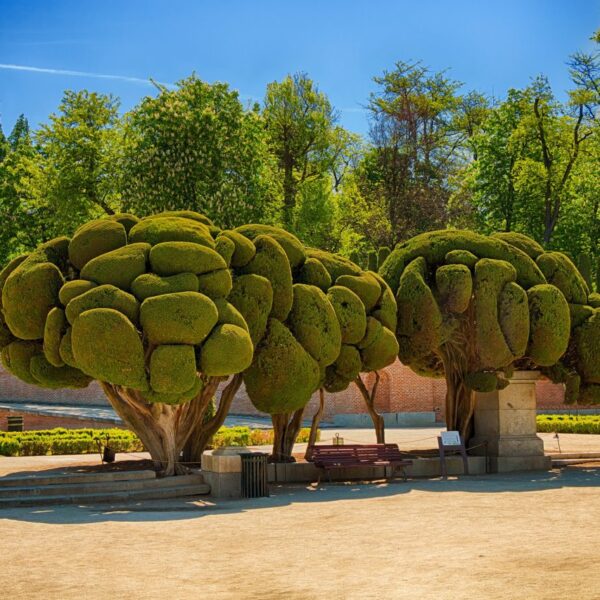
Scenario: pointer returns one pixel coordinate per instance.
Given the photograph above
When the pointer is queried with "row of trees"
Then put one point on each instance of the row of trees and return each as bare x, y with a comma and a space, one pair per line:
435, 157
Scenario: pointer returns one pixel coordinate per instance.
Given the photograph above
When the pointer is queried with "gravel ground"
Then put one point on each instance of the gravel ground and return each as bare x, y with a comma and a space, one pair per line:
499, 536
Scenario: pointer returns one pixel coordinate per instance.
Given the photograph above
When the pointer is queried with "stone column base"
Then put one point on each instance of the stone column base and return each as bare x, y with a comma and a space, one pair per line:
506, 464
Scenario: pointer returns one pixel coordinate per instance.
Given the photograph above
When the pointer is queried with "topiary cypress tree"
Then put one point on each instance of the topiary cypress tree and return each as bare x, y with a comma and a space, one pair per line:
472, 306
372, 261
141, 306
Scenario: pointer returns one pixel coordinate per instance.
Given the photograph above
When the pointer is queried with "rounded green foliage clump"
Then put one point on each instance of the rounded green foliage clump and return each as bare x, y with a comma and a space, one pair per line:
243, 248
374, 328
181, 318
382, 255
172, 369
455, 287
314, 323
107, 347
386, 308
461, 257
381, 352
252, 296
56, 325
66, 349
16, 358
184, 214
419, 317
490, 278
335, 264
74, 288
291, 245
126, 219
520, 241
226, 248
217, 284
95, 238
513, 316
350, 312
313, 272
31, 290
365, 286
227, 350
482, 381
271, 262
50, 376
587, 338
158, 229
104, 296
560, 271
344, 370
8, 269
228, 313
150, 284
6, 336
550, 324
283, 374
171, 258
594, 299
118, 267
435, 245
173, 398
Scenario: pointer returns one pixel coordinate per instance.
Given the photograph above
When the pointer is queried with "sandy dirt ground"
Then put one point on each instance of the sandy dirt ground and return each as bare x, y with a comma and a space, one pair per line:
531, 536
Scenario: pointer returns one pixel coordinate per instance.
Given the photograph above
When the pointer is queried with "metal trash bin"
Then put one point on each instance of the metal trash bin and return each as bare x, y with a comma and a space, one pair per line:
254, 475
14, 423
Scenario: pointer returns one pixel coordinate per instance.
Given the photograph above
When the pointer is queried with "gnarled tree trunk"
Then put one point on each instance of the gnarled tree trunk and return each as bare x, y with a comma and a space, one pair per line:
203, 432
314, 426
164, 429
285, 431
460, 399
369, 398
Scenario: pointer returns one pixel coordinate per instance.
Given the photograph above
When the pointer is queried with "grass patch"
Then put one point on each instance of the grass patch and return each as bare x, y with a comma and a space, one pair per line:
568, 423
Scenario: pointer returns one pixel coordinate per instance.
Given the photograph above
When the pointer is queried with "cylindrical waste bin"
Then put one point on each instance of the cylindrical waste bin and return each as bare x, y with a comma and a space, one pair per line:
254, 475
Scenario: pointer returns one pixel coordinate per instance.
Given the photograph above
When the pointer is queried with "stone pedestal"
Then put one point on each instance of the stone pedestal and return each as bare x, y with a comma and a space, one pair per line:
505, 419
222, 470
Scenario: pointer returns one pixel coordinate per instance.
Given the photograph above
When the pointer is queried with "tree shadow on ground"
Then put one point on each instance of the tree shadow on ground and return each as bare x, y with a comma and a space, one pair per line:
287, 494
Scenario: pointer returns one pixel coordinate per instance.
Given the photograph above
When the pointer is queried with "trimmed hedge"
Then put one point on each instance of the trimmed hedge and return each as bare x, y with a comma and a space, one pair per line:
568, 423
66, 441
85, 441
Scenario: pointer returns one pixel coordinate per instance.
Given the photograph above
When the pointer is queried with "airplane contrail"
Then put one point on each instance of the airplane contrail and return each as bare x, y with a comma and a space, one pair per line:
29, 69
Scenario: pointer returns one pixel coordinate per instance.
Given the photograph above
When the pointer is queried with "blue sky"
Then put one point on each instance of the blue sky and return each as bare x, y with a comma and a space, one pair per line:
490, 46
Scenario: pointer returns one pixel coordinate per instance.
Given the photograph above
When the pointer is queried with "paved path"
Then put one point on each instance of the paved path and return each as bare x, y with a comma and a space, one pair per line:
496, 537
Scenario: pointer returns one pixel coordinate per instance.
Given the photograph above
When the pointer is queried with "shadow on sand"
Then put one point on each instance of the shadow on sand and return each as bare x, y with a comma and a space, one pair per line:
288, 494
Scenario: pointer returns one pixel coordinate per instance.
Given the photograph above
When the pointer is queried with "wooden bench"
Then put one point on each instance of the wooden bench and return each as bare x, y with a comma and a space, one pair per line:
327, 458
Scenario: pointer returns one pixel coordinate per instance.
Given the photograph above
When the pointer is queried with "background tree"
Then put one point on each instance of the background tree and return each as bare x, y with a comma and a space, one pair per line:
195, 147
78, 153
300, 125
24, 221
471, 306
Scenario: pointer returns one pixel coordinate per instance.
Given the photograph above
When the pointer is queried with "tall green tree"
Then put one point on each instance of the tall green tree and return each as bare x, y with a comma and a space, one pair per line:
196, 147
79, 151
300, 123
24, 222
415, 149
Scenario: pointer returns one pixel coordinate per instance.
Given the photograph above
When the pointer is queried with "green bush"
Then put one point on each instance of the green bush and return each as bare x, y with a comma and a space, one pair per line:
85, 441
568, 423
66, 441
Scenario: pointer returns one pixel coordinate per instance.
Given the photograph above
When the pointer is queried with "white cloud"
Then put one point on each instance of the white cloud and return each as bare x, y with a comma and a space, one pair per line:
139, 80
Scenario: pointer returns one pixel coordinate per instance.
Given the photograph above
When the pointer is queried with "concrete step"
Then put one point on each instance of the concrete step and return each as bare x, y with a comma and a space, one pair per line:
109, 496
76, 478
96, 487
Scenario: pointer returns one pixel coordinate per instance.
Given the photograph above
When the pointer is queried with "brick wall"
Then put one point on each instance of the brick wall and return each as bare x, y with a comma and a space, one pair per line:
400, 390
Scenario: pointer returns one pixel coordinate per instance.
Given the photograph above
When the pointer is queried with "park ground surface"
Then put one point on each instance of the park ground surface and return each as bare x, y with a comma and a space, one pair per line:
527, 535
499, 536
